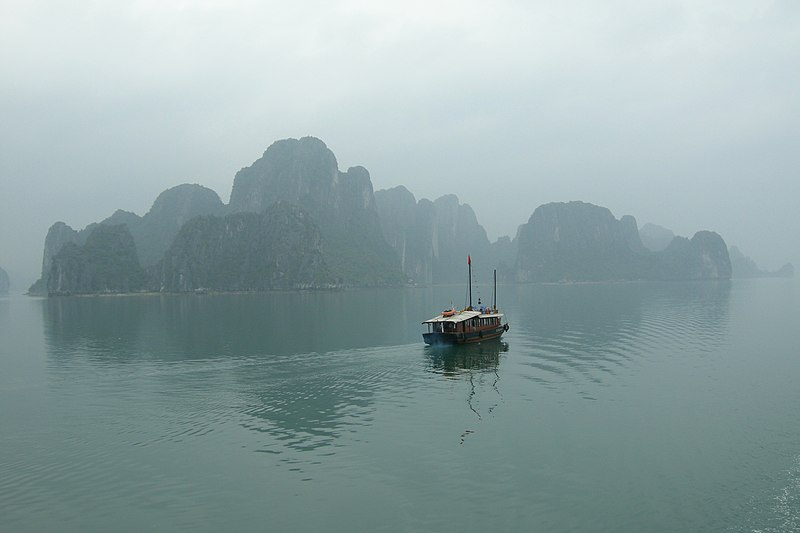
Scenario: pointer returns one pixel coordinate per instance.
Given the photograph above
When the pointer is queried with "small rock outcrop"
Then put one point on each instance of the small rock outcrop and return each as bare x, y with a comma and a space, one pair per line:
786, 271
5, 282
106, 263
279, 248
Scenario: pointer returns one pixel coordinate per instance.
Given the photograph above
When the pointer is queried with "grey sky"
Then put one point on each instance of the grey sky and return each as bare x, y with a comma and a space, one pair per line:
681, 113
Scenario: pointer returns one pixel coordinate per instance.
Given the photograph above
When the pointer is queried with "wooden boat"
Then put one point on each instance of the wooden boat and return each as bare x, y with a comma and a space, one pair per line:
468, 325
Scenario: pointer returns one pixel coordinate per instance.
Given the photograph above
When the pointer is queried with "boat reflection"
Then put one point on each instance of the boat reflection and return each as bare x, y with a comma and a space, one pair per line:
477, 364
453, 360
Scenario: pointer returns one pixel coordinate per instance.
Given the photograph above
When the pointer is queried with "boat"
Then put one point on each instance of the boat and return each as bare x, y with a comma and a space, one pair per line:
470, 325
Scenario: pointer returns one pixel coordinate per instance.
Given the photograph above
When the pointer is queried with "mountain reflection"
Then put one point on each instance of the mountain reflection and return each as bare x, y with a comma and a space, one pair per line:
179, 327
295, 369
93, 327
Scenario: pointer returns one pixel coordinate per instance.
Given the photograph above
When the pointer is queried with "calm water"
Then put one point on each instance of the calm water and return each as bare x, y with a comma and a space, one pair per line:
607, 407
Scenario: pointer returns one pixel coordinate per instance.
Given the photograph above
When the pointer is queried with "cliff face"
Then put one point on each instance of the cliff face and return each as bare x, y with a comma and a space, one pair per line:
304, 172
107, 262
433, 239
457, 234
5, 283
742, 266
630, 234
711, 259
705, 256
578, 241
279, 248
504, 252
582, 242
57, 237
408, 228
299, 171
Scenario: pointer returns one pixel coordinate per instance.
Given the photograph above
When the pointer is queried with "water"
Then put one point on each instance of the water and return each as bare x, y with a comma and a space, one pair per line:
607, 407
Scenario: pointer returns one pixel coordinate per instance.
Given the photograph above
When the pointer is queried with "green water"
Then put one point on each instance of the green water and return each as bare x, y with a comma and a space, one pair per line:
617, 407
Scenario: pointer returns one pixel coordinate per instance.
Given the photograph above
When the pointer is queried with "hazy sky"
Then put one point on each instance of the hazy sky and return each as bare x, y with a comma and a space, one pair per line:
681, 113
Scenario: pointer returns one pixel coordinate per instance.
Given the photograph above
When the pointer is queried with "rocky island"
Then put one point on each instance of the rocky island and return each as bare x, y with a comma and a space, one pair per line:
577, 241
744, 267
296, 221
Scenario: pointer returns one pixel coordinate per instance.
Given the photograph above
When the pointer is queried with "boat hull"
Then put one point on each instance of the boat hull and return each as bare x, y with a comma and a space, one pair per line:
464, 337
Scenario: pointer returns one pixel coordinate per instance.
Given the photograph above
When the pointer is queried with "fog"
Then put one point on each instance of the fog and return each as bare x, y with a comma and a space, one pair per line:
680, 113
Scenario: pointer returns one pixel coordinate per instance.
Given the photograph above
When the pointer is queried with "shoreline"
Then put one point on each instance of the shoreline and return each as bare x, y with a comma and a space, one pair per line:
209, 292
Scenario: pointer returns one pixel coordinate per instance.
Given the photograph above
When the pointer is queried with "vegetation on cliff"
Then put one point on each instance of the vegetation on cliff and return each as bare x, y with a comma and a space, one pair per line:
279, 248
107, 262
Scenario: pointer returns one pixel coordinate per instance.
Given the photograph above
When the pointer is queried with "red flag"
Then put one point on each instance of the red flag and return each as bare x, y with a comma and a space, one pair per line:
469, 260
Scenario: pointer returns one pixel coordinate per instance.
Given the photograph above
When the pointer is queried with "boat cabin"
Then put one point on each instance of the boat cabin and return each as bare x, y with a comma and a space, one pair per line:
465, 326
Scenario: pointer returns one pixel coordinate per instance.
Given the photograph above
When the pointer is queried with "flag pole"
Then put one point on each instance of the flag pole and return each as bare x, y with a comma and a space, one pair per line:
469, 263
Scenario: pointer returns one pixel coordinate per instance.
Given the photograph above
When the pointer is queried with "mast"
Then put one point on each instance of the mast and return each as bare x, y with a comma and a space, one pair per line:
469, 264
494, 291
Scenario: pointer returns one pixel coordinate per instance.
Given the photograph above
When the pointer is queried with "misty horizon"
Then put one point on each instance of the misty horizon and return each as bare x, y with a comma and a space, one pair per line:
680, 115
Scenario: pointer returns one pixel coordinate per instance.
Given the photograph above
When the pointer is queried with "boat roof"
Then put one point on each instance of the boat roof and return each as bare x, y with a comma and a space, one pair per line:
462, 316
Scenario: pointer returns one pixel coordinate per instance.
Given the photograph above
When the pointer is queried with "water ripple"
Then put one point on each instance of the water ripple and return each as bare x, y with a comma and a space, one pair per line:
561, 345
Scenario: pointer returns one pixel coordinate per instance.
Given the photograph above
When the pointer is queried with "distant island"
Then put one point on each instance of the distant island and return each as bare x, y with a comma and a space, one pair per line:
295, 221
5, 283
744, 267
577, 241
